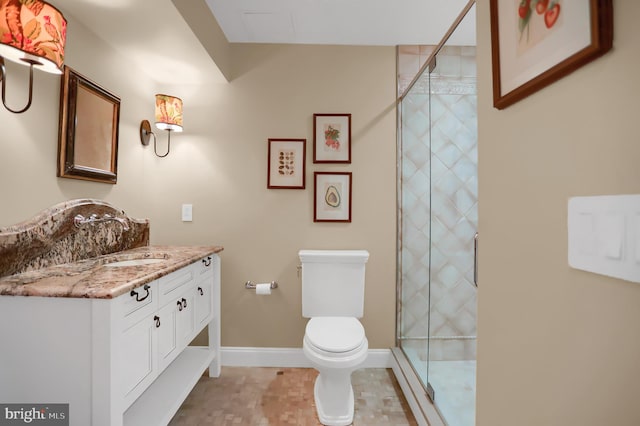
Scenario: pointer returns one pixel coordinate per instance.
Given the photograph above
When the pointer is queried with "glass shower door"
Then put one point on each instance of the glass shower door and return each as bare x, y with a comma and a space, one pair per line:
437, 227
453, 224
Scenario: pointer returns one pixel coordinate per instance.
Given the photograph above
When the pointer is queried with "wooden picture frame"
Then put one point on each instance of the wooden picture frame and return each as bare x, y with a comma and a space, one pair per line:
286, 160
88, 132
332, 138
332, 197
537, 42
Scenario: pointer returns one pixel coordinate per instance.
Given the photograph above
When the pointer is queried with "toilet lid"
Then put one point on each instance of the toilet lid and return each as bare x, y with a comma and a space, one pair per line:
335, 334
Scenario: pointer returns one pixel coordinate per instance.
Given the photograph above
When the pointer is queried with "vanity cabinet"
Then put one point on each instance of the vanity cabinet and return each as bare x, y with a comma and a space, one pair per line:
121, 361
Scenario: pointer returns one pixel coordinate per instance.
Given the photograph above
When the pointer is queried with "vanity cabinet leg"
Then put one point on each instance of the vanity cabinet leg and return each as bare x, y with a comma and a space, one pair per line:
214, 345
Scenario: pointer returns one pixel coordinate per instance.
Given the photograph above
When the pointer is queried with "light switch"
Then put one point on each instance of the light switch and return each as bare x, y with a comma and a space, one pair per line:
612, 235
187, 212
604, 235
586, 233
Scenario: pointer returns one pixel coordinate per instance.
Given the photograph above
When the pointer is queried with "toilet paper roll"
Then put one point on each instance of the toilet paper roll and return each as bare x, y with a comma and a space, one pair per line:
263, 289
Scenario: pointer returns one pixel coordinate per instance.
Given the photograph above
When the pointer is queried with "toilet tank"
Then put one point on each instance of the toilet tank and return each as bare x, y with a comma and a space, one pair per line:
333, 282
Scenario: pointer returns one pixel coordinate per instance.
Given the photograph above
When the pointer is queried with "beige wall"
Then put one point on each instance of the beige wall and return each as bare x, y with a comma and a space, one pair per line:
556, 346
219, 165
275, 93
29, 141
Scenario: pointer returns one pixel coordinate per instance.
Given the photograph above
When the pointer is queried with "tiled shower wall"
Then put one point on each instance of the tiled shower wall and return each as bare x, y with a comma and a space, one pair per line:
439, 202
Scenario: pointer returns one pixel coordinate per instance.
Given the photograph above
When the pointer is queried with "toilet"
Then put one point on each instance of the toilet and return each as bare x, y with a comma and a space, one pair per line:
334, 340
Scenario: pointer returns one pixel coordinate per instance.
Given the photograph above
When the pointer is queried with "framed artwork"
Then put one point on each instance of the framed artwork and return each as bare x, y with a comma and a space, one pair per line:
88, 133
332, 197
536, 42
286, 163
332, 138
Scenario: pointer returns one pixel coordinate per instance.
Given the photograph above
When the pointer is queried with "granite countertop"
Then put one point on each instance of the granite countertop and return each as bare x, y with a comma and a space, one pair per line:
91, 278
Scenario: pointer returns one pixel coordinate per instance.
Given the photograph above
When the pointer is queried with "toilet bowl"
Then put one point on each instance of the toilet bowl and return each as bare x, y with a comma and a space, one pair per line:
334, 340
335, 346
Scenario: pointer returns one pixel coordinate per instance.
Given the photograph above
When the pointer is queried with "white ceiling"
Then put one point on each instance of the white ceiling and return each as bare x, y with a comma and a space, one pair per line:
155, 36
354, 22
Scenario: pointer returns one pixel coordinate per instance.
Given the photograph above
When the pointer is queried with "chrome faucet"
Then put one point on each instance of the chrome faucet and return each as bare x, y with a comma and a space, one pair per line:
80, 220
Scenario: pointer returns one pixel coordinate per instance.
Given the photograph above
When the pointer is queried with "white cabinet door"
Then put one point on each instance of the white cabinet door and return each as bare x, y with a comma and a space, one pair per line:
204, 301
186, 319
167, 340
138, 359
177, 327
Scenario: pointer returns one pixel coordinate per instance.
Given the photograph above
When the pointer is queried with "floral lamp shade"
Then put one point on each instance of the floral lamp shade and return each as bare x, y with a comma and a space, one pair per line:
33, 32
168, 113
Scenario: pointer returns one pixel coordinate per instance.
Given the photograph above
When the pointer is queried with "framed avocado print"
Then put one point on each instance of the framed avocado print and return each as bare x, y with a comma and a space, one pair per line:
332, 197
536, 42
332, 138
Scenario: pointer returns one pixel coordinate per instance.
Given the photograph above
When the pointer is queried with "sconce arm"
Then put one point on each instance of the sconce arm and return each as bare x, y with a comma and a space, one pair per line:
168, 145
3, 77
145, 135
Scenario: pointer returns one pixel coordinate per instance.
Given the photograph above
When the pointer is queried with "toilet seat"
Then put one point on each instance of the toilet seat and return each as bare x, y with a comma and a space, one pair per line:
344, 337
335, 335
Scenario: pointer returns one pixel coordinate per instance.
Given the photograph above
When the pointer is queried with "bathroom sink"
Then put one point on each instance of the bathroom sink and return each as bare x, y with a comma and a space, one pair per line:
133, 262
121, 260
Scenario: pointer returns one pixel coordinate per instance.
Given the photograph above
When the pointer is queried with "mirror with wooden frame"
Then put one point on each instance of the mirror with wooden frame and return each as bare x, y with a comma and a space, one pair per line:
88, 134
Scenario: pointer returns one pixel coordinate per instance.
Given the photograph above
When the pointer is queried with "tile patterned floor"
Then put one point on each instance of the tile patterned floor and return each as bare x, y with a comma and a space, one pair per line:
454, 383
284, 396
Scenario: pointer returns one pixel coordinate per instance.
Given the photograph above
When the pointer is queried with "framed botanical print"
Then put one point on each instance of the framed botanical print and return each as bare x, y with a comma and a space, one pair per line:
332, 138
536, 42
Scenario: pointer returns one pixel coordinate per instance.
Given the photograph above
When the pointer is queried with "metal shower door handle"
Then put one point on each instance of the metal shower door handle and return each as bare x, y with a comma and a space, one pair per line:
475, 260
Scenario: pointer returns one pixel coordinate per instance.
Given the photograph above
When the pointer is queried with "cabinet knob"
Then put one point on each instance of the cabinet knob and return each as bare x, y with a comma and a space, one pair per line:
157, 320
200, 291
207, 261
135, 293
179, 305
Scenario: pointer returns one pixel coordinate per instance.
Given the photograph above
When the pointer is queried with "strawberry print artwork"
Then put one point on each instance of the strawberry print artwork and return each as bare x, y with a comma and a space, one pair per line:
536, 19
332, 136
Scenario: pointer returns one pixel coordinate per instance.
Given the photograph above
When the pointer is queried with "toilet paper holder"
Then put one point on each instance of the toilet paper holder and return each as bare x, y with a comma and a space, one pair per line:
252, 286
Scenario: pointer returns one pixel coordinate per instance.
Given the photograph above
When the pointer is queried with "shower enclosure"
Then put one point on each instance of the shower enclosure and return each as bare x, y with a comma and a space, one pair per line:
437, 236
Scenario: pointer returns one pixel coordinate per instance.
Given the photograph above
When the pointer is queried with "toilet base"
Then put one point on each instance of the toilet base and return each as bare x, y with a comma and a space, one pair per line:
334, 398
343, 418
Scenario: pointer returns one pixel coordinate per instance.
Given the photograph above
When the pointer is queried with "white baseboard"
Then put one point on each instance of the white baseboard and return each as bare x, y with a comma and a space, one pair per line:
289, 357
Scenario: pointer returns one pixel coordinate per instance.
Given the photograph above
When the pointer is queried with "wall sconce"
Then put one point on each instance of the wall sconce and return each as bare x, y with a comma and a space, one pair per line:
31, 33
168, 117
